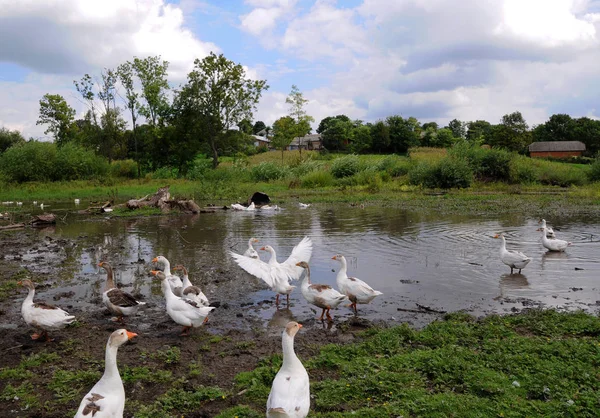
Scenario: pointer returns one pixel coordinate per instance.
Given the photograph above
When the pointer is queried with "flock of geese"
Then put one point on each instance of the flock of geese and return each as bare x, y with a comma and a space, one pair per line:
189, 307
518, 260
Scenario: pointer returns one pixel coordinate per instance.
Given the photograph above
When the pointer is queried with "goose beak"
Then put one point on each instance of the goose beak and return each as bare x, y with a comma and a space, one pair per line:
100, 264
130, 335
497, 236
299, 325
154, 272
334, 257
299, 264
155, 260
20, 283
263, 249
254, 240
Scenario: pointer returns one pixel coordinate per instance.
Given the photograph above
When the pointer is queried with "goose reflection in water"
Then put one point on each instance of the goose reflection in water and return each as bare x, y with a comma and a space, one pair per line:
512, 282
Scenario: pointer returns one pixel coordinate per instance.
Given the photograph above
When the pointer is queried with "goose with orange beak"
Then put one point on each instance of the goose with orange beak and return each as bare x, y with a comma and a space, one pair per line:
107, 397
356, 290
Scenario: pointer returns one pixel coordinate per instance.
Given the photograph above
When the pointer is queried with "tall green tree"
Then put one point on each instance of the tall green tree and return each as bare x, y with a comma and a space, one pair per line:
9, 138
559, 127
338, 134
404, 133
245, 126
512, 133
588, 131
218, 90
284, 131
478, 131
297, 104
85, 87
361, 138
125, 74
152, 74
258, 126
59, 116
458, 128
380, 136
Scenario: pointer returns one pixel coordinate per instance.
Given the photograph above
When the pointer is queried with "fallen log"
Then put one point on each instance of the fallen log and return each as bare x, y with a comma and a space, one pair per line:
42, 220
162, 200
13, 226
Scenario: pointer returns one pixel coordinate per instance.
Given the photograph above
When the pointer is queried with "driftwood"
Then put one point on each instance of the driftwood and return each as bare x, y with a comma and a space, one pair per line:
162, 200
43, 220
13, 226
106, 207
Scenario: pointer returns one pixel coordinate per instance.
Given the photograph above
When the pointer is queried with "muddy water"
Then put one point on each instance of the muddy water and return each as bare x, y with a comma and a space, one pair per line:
424, 263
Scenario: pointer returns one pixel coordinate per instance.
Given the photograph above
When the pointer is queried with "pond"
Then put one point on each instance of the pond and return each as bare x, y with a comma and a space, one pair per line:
424, 263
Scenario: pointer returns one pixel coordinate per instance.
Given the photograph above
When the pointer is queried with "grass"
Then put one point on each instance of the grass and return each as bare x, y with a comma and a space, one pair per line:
540, 363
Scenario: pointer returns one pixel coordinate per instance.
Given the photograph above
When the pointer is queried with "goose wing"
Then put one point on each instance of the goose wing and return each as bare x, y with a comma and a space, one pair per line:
255, 267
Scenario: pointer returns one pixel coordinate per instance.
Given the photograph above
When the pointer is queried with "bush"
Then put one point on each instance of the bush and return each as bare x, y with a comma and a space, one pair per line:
29, 161
124, 168
400, 169
77, 163
560, 174
306, 167
199, 167
522, 171
345, 166
594, 173
317, 179
494, 165
267, 171
387, 163
446, 174
165, 173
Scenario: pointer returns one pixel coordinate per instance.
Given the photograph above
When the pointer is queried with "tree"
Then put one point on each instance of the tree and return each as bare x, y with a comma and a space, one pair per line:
85, 87
218, 91
325, 122
458, 128
478, 131
559, 127
59, 116
152, 73
284, 130
338, 134
361, 138
258, 126
404, 133
9, 138
245, 126
380, 136
125, 74
588, 131
297, 103
512, 133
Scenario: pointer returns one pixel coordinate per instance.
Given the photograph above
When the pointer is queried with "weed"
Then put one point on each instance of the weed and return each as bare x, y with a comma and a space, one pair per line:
170, 355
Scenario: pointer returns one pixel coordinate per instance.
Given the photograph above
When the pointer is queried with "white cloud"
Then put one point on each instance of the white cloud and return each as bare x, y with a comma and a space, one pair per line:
263, 19
75, 36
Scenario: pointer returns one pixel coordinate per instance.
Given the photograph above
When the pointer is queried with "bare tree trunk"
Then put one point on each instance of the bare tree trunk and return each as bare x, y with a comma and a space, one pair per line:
282, 155
213, 145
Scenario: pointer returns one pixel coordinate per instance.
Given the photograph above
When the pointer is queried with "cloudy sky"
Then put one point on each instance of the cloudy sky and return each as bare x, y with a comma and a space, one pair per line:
432, 59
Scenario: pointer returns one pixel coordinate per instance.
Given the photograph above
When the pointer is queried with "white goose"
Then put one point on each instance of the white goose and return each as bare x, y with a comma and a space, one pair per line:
303, 205
251, 252
553, 244
107, 398
290, 391
549, 230
42, 316
356, 290
320, 295
190, 291
513, 259
174, 281
277, 275
237, 206
185, 312
117, 301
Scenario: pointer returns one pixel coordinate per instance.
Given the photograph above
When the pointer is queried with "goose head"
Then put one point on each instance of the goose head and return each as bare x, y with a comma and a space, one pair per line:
120, 337
292, 328
302, 264
160, 275
105, 265
26, 283
181, 268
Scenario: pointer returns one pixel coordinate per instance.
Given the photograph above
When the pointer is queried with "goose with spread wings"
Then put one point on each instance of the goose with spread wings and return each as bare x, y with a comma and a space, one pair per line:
277, 275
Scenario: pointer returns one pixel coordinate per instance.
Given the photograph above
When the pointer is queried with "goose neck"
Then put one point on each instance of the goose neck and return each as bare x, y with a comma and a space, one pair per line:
110, 366
110, 280
290, 360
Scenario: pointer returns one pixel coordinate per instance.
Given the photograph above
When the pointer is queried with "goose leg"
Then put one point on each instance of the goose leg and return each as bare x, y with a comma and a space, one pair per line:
355, 310
277, 300
48, 339
287, 299
511, 270
322, 313
519, 271
329, 316
205, 320
35, 336
185, 332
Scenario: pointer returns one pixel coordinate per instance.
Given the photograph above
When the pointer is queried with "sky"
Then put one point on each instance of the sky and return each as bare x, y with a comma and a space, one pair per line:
435, 60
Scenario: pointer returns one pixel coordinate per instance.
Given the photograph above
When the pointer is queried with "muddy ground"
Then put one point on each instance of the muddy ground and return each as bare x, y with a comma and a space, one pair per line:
239, 334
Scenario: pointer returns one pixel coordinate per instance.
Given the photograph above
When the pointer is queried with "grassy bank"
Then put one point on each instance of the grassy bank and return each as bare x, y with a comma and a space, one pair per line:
541, 363
537, 363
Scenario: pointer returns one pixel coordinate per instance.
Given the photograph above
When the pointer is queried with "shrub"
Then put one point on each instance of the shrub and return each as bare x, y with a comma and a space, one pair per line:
400, 169
387, 163
29, 161
199, 167
594, 173
345, 166
74, 162
494, 165
446, 174
306, 167
522, 171
560, 174
165, 173
267, 171
123, 168
317, 179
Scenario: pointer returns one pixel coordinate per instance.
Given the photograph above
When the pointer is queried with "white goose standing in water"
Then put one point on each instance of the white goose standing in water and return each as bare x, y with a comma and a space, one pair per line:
553, 244
107, 398
549, 230
116, 300
290, 391
251, 252
174, 281
321, 295
513, 259
356, 290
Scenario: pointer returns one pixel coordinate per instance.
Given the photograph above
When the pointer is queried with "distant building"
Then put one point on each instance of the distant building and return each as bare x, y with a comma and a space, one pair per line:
261, 141
556, 149
307, 142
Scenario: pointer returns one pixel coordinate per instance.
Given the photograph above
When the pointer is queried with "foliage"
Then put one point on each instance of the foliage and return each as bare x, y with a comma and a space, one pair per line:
219, 93
594, 173
59, 116
284, 130
512, 133
337, 134
317, 179
152, 74
458, 128
267, 171
478, 131
77, 163
258, 126
30, 161
123, 168
345, 166
448, 173
298, 113
9, 138
404, 133
200, 166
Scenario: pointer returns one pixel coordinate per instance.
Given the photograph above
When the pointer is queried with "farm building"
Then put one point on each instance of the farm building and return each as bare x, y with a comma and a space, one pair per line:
556, 149
261, 141
310, 142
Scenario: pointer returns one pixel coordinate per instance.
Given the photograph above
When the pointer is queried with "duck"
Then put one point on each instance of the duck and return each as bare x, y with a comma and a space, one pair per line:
107, 397
117, 301
237, 206
290, 391
251, 252
321, 295
269, 207
184, 312
356, 290
277, 275
42, 206
553, 244
34, 202
190, 291
77, 201
513, 259
549, 230
303, 205
174, 281
41, 315
19, 203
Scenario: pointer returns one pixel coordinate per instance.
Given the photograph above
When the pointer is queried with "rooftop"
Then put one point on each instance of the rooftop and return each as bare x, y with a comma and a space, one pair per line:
549, 146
